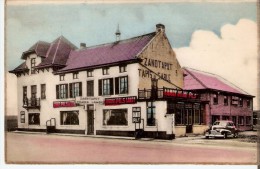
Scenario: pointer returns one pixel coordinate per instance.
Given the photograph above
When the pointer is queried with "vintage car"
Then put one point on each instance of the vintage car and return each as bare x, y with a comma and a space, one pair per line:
222, 128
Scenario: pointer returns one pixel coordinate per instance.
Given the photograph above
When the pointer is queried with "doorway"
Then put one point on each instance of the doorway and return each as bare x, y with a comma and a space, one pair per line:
189, 121
90, 119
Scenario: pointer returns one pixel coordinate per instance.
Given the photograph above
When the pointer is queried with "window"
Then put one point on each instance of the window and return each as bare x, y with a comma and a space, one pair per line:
136, 114
215, 98
150, 114
106, 87
105, 71
234, 100
33, 64
225, 117
69, 118
75, 75
121, 85
62, 91
196, 116
241, 120
225, 100
34, 118
75, 89
248, 103
122, 68
33, 95
43, 91
248, 120
90, 88
115, 117
90, 73
62, 77
240, 102
22, 117
214, 118
25, 99
179, 114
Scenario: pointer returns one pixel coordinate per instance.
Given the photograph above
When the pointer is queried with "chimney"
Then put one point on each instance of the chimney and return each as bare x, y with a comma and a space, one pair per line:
160, 28
82, 45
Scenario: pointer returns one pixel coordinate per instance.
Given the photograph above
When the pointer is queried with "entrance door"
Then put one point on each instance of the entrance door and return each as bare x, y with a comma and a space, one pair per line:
90, 119
189, 121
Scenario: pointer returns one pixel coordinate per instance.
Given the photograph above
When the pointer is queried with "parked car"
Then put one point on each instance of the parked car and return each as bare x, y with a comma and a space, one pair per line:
222, 128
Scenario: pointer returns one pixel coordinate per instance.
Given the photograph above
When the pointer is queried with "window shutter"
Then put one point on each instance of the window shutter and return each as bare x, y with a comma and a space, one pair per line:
117, 85
67, 92
111, 83
80, 88
57, 92
70, 90
99, 87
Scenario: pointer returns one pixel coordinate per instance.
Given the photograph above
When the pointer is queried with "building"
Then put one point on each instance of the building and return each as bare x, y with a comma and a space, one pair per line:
122, 88
224, 101
132, 87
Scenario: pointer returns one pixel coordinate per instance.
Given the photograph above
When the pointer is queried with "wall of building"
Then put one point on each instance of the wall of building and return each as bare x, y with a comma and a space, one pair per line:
227, 110
159, 61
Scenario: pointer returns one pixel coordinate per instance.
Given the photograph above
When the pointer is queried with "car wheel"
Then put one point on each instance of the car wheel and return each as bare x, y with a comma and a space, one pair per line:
235, 135
224, 135
206, 137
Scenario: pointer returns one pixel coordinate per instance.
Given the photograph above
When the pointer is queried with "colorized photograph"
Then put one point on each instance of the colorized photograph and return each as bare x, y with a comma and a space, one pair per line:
131, 82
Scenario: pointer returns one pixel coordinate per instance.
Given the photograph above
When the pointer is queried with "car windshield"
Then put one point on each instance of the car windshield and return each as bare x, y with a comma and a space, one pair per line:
220, 123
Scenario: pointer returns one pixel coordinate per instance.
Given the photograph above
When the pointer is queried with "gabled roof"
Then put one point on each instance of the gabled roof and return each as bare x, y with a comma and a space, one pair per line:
40, 48
116, 52
57, 53
21, 68
199, 80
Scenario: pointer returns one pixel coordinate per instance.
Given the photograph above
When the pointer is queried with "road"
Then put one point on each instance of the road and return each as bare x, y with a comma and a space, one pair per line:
56, 149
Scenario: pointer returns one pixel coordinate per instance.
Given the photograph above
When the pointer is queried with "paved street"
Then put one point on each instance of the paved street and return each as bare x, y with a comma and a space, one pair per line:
42, 148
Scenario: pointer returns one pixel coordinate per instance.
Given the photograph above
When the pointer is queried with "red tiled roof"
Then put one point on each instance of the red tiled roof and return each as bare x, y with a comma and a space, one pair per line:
197, 80
58, 53
124, 50
40, 48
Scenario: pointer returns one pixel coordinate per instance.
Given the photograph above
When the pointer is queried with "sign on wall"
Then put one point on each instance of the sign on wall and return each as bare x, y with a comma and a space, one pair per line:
120, 100
57, 104
89, 100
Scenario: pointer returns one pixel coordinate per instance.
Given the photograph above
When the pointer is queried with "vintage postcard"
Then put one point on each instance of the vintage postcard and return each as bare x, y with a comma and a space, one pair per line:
131, 82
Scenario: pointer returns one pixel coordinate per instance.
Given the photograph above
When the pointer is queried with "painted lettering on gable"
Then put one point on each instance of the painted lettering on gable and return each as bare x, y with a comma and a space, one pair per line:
145, 73
157, 64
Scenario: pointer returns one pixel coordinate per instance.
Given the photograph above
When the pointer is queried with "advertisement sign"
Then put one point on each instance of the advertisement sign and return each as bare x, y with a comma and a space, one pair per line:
89, 100
120, 100
57, 104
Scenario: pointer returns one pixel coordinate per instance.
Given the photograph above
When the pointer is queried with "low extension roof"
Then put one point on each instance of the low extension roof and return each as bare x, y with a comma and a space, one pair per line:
40, 48
21, 68
116, 52
199, 80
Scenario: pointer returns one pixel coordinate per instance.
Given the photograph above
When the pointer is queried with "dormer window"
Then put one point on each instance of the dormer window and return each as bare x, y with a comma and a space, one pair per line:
33, 64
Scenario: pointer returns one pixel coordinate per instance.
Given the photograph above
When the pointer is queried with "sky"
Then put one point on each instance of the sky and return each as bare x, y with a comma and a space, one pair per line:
219, 38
